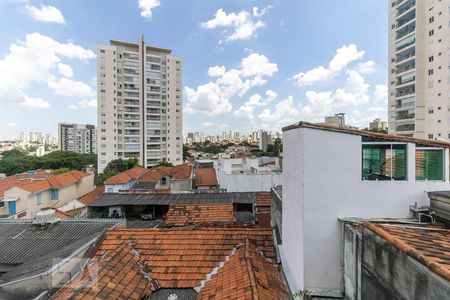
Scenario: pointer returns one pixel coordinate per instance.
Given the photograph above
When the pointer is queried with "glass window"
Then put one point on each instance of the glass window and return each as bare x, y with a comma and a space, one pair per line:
429, 164
384, 162
38, 198
54, 194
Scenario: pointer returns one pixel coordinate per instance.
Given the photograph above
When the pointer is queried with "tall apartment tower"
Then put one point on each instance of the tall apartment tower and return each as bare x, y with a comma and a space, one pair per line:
139, 104
79, 138
419, 68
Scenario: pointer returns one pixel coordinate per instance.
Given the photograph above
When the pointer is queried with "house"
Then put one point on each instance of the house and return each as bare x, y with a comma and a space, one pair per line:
34, 252
192, 214
206, 179
332, 173
23, 198
177, 178
201, 263
79, 207
248, 174
395, 260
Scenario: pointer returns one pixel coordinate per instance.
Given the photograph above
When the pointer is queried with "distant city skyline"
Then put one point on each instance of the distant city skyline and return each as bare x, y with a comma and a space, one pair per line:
246, 65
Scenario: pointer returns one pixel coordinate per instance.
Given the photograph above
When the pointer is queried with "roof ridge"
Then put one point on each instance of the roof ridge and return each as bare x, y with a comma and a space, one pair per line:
250, 270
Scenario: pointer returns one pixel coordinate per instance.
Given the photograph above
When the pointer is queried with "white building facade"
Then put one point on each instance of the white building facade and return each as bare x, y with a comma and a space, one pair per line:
139, 103
79, 138
330, 174
419, 68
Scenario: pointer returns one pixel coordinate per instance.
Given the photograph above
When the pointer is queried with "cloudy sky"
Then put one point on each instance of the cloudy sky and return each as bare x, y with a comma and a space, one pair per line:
247, 64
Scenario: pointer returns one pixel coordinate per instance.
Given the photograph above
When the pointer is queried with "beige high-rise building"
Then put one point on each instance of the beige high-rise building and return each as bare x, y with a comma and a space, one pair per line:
79, 138
419, 68
139, 103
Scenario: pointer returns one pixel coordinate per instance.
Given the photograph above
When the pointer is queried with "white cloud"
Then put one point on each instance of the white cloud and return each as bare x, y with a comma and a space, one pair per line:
381, 94
242, 24
284, 112
344, 56
11, 124
367, 67
213, 125
355, 92
71, 88
146, 7
246, 110
65, 70
32, 61
207, 98
214, 97
35, 102
48, 14
84, 104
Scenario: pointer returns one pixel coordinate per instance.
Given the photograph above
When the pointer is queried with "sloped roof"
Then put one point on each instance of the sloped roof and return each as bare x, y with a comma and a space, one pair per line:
263, 199
126, 176
189, 214
62, 215
430, 247
246, 275
56, 181
387, 137
88, 198
21, 179
121, 275
206, 177
182, 258
183, 171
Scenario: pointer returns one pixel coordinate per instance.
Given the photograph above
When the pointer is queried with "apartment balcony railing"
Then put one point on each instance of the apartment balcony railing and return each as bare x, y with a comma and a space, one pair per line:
404, 55
407, 5
405, 91
405, 30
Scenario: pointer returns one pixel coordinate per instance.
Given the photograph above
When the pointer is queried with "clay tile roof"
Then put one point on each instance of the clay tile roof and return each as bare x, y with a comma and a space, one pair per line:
182, 258
246, 275
189, 214
56, 181
62, 215
388, 137
88, 198
121, 275
430, 247
128, 175
263, 199
183, 171
206, 177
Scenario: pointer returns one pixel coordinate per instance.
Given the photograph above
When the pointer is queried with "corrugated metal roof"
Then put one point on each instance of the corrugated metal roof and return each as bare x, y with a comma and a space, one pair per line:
110, 199
21, 241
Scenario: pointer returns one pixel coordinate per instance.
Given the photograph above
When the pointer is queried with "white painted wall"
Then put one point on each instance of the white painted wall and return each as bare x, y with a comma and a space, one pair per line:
115, 188
248, 182
322, 182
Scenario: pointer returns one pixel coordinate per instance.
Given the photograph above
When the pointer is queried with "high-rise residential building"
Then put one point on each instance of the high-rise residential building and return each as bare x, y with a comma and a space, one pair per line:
79, 138
264, 140
377, 124
337, 120
419, 68
139, 103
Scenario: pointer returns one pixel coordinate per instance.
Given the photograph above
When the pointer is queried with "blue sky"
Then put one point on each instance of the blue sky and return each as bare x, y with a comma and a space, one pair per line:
246, 64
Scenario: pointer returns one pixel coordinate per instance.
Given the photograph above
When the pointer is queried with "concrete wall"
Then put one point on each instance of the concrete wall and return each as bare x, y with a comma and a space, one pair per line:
180, 185
248, 182
115, 188
276, 213
388, 273
322, 182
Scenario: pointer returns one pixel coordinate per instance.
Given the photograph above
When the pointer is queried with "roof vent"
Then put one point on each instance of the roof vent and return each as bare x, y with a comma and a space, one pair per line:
45, 216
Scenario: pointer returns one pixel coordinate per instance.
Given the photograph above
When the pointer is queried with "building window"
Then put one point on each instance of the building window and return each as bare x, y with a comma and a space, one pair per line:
429, 164
54, 194
384, 162
38, 198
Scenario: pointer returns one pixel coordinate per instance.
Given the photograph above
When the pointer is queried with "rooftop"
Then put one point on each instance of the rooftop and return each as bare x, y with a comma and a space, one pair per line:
263, 199
190, 214
127, 176
22, 178
113, 199
88, 198
382, 136
206, 177
430, 247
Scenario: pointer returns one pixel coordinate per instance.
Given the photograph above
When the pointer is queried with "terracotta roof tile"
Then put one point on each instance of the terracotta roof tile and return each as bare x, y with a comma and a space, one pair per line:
182, 258
56, 181
263, 199
188, 214
62, 215
90, 197
22, 179
128, 175
121, 275
183, 171
430, 247
246, 275
206, 177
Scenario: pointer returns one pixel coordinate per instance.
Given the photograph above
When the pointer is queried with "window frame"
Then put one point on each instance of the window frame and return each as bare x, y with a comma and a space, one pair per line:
444, 162
391, 171
52, 194
39, 198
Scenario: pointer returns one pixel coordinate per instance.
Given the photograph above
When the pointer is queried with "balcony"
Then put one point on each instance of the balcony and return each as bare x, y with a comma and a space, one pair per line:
406, 66
405, 6
406, 18
405, 127
405, 30
405, 42
407, 102
406, 114
406, 78
405, 54
405, 91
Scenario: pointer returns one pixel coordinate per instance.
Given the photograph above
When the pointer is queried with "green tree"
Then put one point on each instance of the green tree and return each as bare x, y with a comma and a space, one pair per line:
115, 167
164, 164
